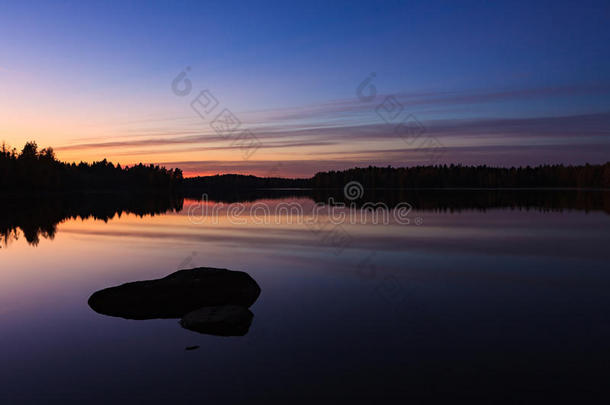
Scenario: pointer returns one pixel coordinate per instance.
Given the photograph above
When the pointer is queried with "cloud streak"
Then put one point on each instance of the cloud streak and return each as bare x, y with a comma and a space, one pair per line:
344, 133
499, 155
584, 125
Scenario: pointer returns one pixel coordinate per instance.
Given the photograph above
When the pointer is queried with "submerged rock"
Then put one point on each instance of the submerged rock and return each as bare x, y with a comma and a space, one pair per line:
227, 320
177, 294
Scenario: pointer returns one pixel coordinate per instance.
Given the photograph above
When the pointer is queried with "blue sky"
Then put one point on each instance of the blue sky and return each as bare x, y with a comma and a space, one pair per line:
492, 82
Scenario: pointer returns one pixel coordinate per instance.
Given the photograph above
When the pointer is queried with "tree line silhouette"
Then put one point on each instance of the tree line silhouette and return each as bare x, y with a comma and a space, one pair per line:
32, 169
150, 190
39, 170
224, 182
458, 176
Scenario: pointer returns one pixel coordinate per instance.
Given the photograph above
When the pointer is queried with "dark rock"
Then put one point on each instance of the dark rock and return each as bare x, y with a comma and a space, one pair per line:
177, 294
192, 347
227, 320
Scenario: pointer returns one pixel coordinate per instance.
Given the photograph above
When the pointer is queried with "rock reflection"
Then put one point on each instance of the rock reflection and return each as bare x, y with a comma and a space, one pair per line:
208, 300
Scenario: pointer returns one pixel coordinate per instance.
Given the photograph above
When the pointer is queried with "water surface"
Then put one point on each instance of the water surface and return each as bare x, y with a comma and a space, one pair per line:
496, 300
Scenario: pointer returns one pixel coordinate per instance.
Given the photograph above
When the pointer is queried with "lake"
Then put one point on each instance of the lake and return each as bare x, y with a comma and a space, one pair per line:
478, 295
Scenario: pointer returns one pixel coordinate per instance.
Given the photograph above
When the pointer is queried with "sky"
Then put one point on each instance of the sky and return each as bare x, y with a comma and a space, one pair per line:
289, 88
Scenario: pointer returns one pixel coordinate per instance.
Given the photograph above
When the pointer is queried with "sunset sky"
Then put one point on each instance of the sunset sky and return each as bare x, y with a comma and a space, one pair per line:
499, 83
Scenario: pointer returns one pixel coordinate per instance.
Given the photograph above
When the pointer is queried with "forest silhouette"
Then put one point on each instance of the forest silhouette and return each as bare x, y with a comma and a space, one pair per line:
33, 170
38, 191
459, 176
39, 170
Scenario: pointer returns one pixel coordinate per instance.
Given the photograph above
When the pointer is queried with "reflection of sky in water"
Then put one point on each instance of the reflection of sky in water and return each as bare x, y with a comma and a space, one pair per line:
461, 300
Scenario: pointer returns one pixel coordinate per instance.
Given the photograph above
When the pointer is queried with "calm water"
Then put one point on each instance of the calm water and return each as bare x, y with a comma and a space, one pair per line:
496, 302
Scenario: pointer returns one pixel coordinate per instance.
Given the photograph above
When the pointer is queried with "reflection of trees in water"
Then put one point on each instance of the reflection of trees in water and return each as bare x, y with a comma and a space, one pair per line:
230, 196
447, 200
437, 200
37, 216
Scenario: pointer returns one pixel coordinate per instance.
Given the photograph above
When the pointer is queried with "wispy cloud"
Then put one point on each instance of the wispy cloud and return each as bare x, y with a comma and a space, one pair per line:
431, 98
584, 125
500, 155
349, 133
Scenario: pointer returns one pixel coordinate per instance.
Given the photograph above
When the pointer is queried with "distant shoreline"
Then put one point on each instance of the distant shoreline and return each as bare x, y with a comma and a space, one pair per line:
39, 170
